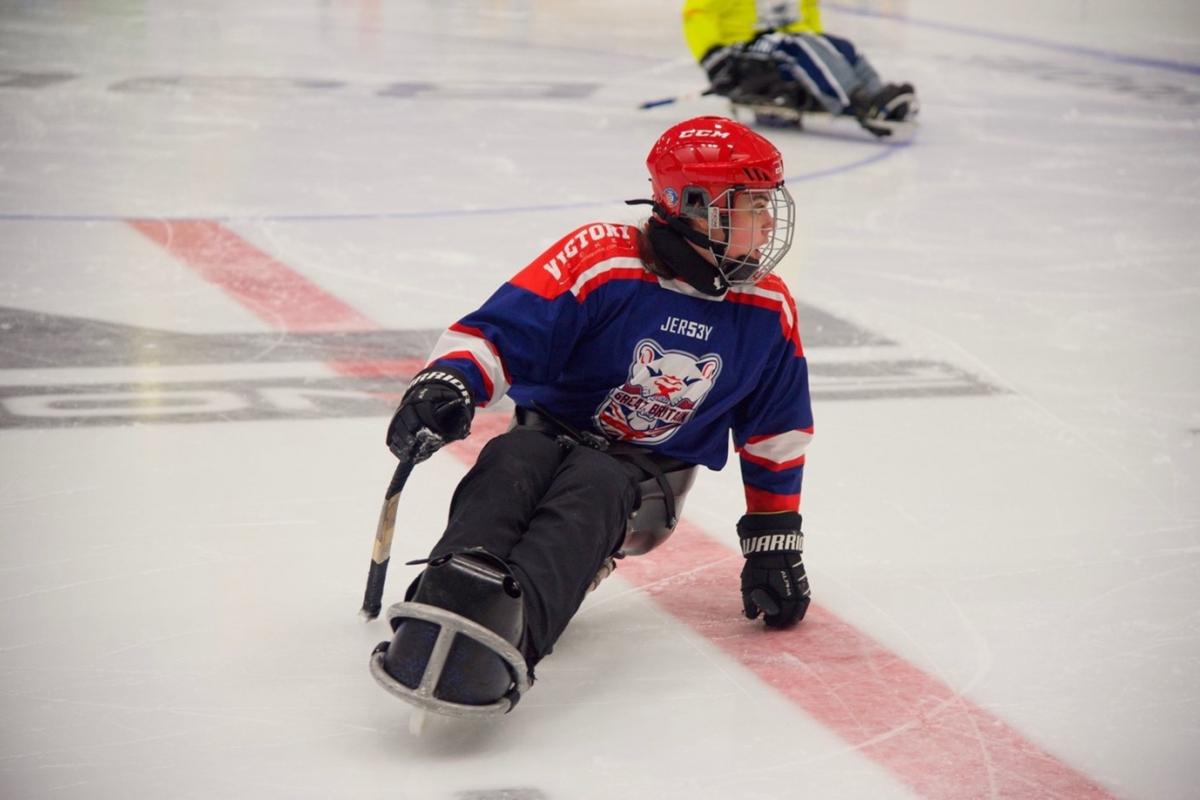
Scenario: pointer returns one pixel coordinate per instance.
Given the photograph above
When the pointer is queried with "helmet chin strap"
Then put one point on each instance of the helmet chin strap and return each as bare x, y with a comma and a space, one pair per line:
680, 226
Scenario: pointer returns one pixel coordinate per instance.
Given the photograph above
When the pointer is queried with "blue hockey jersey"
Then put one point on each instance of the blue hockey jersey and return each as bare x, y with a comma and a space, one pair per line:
588, 332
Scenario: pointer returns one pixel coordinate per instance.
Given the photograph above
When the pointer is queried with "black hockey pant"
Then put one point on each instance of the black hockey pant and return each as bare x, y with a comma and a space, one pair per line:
554, 512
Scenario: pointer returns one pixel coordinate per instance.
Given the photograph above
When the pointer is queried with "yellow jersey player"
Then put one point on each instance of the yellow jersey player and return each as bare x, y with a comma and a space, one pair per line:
774, 59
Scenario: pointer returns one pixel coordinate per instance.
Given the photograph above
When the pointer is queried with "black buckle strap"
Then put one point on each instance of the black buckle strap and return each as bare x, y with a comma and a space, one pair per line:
647, 465
573, 436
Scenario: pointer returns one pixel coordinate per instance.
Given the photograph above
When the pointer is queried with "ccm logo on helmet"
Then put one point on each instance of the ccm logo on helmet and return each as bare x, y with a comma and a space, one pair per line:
701, 133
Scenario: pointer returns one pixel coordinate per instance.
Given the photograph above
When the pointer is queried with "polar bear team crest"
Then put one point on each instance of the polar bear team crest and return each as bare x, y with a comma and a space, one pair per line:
662, 392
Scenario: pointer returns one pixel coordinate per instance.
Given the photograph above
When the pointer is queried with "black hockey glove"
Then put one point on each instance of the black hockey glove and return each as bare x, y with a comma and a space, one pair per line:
773, 579
437, 403
744, 75
721, 65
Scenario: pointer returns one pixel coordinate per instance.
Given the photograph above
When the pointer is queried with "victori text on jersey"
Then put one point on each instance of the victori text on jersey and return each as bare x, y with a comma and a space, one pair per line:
582, 239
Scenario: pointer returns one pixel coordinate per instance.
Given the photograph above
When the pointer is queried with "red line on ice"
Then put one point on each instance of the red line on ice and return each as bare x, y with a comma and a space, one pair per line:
273, 291
927, 735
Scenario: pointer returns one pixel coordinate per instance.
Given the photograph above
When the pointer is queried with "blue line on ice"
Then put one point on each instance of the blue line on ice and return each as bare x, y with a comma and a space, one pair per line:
1110, 56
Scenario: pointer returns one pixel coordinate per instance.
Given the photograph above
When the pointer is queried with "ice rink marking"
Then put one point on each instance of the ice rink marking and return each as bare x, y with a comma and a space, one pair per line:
1110, 56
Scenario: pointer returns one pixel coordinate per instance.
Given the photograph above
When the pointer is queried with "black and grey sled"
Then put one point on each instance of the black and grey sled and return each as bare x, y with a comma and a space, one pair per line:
890, 112
455, 649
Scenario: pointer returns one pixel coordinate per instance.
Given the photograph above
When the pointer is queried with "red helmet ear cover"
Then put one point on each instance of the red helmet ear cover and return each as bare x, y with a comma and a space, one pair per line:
712, 154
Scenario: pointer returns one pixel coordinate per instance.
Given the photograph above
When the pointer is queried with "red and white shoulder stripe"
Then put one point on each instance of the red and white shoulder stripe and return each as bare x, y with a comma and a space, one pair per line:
461, 341
778, 451
612, 269
772, 293
581, 261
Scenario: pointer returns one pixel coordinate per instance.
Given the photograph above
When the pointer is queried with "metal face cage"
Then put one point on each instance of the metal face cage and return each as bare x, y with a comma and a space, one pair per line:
762, 220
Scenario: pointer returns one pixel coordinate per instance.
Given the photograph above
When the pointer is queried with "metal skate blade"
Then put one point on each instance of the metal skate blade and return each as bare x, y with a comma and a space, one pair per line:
417, 720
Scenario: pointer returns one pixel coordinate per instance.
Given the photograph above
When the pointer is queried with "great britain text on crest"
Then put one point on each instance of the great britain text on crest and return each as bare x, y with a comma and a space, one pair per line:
663, 390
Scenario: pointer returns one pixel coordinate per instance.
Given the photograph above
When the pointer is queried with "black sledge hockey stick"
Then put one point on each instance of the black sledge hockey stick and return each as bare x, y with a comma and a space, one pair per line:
682, 98
427, 442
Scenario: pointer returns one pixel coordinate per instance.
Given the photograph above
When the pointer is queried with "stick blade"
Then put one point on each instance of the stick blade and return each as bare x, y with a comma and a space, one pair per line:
373, 595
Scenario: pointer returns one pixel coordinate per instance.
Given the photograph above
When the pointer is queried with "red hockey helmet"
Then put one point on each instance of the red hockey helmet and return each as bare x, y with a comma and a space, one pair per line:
698, 167
711, 154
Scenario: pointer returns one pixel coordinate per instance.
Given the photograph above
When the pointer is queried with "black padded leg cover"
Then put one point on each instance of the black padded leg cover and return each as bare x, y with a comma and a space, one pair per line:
553, 513
579, 523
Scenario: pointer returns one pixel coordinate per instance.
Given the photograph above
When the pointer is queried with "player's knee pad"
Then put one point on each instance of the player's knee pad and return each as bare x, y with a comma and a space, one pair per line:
455, 648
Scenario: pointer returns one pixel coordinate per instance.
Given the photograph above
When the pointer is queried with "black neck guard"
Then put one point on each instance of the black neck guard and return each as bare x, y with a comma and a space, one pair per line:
669, 240
683, 261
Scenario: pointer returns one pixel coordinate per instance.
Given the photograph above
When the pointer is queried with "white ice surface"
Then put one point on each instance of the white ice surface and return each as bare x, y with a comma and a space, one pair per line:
177, 600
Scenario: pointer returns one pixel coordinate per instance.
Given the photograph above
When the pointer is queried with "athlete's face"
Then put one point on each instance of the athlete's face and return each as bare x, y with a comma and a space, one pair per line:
750, 226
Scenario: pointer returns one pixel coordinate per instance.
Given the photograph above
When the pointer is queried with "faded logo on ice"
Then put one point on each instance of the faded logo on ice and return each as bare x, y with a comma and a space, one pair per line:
663, 391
